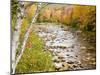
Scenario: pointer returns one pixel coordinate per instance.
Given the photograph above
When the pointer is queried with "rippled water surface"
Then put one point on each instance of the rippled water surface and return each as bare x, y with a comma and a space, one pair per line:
68, 50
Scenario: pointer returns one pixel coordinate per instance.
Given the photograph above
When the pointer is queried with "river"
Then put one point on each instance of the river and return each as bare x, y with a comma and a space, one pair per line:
68, 50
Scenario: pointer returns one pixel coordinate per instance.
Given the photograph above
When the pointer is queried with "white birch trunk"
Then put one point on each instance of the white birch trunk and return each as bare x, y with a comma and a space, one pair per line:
26, 36
16, 34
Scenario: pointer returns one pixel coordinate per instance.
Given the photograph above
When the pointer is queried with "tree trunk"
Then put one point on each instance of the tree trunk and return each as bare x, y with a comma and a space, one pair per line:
27, 35
16, 33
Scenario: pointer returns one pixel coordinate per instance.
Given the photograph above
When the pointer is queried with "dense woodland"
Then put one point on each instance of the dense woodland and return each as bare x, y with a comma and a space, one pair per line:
30, 53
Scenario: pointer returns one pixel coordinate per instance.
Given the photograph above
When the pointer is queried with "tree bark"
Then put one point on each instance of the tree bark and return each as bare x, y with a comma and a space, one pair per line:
27, 35
16, 33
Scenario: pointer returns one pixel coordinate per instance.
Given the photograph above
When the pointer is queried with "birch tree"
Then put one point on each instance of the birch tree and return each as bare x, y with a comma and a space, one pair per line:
16, 32
16, 36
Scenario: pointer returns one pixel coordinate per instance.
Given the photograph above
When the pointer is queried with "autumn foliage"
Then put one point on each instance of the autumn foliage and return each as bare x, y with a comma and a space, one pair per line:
81, 17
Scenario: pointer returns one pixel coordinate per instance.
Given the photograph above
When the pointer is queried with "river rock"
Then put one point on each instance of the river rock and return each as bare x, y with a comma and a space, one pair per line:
58, 66
65, 66
83, 47
61, 55
55, 59
70, 62
63, 60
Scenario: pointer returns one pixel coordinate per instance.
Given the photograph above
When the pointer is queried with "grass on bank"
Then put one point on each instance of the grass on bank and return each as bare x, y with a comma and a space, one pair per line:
34, 59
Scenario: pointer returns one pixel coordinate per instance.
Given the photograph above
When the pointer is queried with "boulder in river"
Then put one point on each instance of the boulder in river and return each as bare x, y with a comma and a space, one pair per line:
63, 60
58, 66
83, 47
55, 59
70, 62
65, 66
61, 55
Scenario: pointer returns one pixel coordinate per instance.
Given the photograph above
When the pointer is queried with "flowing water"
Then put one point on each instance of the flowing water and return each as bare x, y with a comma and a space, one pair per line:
69, 52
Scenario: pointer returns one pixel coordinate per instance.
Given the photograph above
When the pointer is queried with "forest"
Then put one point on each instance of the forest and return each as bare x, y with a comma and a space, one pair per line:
49, 37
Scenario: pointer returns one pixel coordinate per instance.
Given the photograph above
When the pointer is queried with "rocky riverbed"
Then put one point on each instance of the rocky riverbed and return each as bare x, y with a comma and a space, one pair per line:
68, 50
